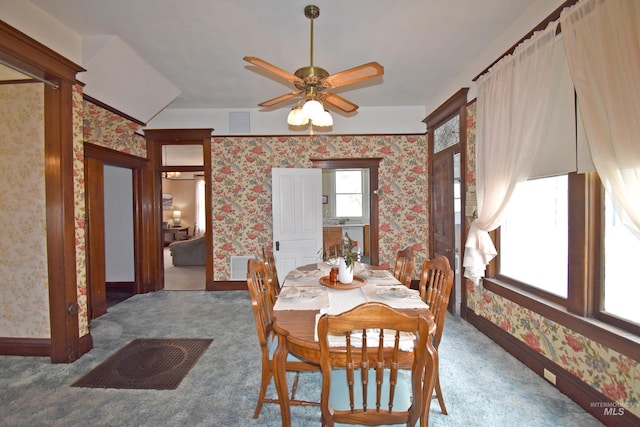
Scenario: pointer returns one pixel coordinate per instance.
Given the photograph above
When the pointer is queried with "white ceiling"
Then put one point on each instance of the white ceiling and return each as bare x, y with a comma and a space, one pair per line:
198, 45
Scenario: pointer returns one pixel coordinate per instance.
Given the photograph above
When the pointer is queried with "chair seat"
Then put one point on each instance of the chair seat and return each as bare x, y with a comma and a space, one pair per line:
339, 398
272, 349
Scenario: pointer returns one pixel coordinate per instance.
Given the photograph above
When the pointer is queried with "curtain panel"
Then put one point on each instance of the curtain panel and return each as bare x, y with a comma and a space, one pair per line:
602, 43
513, 99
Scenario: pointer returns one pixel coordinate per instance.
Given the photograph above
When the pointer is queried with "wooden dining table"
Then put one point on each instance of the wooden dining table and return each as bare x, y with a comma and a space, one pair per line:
303, 299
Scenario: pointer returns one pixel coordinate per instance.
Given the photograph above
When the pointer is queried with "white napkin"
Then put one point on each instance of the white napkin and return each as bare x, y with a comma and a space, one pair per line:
292, 299
303, 278
412, 300
379, 277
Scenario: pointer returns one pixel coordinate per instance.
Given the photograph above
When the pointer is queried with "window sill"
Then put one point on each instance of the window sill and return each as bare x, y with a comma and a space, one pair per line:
617, 339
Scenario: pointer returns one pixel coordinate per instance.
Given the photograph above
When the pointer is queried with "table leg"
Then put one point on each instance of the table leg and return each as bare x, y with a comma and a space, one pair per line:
280, 377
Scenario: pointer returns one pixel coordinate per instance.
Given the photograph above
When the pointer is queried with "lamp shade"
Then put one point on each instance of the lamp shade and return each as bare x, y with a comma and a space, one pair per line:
312, 108
323, 119
297, 117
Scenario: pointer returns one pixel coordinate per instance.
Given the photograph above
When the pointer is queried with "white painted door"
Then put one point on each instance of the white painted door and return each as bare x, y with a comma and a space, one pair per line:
297, 217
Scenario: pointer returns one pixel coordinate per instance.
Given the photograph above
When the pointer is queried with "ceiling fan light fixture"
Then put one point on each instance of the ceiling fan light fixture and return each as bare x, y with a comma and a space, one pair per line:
297, 117
323, 119
313, 83
313, 108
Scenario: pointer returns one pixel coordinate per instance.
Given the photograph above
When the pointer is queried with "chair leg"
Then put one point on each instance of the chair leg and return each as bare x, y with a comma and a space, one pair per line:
294, 388
266, 379
438, 395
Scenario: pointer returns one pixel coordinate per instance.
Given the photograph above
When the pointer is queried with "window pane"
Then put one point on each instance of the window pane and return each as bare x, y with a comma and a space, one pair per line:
349, 181
182, 155
447, 134
534, 235
349, 193
621, 289
348, 205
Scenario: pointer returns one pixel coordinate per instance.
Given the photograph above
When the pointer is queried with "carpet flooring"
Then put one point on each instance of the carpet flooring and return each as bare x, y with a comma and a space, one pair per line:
186, 278
481, 383
158, 364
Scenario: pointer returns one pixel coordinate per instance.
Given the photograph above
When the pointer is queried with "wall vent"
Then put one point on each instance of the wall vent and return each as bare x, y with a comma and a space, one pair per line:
238, 267
240, 122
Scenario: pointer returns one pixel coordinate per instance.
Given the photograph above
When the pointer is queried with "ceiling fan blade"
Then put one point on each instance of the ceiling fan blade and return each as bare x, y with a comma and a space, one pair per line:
355, 75
260, 63
279, 99
340, 103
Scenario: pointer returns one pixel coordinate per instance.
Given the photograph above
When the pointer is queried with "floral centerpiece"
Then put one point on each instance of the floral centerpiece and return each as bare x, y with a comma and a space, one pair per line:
347, 260
350, 255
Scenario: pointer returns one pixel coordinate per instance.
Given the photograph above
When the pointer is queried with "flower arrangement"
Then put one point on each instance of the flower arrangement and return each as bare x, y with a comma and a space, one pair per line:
350, 255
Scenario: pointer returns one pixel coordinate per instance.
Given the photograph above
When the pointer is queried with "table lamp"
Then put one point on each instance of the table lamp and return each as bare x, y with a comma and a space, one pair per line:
176, 218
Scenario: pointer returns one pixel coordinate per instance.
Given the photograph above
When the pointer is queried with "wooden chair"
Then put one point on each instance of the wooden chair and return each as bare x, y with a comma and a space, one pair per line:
257, 284
363, 381
272, 273
404, 266
436, 281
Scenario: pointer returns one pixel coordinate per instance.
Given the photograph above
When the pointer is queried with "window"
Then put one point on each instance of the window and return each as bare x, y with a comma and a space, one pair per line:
537, 242
349, 185
621, 249
201, 218
534, 235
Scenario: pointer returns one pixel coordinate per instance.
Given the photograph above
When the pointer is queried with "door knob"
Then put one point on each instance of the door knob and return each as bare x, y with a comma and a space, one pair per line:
277, 246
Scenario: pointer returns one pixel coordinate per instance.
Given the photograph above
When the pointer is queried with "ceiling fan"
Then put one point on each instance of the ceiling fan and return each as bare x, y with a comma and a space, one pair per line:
315, 83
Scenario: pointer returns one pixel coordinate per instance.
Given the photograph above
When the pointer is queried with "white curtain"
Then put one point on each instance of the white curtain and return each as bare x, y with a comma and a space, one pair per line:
602, 42
200, 225
513, 98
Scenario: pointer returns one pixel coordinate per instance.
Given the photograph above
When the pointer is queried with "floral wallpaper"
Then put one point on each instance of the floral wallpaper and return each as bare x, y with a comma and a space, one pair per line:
110, 130
95, 125
615, 375
79, 209
24, 300
241, 191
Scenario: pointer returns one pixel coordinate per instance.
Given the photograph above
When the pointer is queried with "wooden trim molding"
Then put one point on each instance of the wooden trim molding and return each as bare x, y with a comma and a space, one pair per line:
28, 54
587, 397
21, 51
121, 286
38, 347
227, 285
156, 139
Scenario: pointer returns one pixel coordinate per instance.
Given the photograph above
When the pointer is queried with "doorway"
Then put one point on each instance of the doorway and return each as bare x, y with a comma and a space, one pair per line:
370, 167
184, 226
186, 152
345, 210
103, 225
447, 146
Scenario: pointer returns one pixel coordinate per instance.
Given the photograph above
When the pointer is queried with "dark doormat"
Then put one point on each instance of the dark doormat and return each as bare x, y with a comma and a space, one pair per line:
158, 364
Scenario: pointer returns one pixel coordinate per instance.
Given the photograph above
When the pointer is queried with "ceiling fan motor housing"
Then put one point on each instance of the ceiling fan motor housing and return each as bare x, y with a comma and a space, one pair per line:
311, 76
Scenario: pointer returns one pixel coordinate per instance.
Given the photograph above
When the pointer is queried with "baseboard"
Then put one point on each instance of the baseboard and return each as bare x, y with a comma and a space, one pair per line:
591, 400
227, 285
39, 347
120, 286
85, 344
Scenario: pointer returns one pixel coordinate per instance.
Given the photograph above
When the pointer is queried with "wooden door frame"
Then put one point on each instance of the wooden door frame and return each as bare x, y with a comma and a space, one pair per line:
21, 51
95, 159
456, 104
373, 164
156, 139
